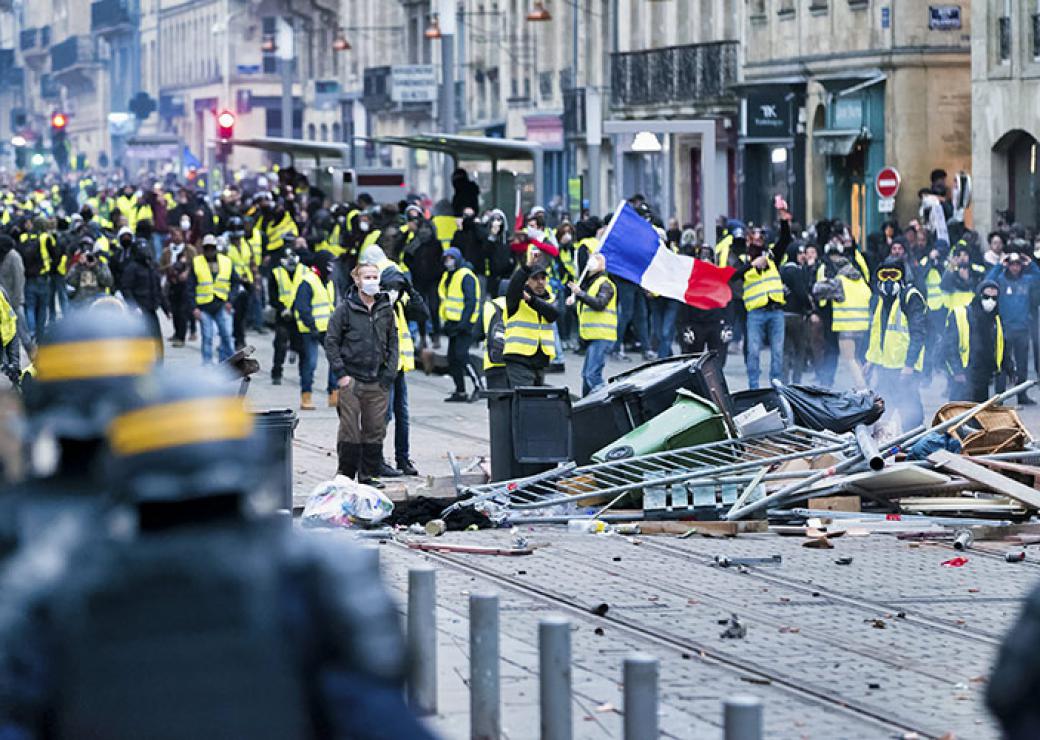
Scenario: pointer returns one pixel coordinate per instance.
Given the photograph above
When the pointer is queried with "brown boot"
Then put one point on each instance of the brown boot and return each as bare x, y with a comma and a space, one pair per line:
306, 402
333, 399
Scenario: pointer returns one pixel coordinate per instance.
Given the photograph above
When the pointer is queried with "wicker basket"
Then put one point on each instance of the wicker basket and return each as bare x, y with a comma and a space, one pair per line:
996, 429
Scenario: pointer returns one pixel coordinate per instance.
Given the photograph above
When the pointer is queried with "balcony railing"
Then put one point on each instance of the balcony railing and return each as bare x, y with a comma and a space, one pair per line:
72, 52
697, 73
108, 15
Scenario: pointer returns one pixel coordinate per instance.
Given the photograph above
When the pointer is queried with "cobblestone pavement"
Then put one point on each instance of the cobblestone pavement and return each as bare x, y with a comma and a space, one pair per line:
889, 644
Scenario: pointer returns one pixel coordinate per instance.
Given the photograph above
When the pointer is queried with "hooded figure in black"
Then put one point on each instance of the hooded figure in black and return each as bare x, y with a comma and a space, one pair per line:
974, 359
141, 286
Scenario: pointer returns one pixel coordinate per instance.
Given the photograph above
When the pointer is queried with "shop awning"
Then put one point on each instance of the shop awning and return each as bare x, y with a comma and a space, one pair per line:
838, 142
299, 148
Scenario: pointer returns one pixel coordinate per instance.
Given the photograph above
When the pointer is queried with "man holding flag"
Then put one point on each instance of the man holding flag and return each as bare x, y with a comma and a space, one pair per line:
634, 251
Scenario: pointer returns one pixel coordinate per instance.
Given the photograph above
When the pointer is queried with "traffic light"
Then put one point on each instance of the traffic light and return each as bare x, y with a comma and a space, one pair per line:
59, 140
225, 132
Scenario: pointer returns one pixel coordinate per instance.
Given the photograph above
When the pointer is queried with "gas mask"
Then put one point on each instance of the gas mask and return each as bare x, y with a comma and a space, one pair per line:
890, 288
449, 265
988, 304
364, 225
394, 295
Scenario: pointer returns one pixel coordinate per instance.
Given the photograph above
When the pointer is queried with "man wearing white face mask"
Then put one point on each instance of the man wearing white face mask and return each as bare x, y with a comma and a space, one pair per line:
362, 347
974, 345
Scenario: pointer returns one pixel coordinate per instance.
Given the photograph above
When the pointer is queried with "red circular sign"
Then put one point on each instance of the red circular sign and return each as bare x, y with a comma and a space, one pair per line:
887, 182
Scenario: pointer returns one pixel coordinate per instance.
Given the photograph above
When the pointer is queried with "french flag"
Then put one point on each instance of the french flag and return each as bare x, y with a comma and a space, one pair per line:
634, 251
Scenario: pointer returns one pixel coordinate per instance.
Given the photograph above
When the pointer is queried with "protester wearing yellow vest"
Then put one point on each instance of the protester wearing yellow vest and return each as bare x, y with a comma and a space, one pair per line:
764, 301
974, 345
277, 227
10, 351
241, 256
459, 293
841, 285
312, 307
281, 291
530, 315
409, 309
897, 335
36, 247
596, 299
494, 324
212, 279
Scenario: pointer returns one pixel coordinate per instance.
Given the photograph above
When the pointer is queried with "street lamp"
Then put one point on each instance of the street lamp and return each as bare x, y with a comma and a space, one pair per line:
539, 13
340, 43
433, 31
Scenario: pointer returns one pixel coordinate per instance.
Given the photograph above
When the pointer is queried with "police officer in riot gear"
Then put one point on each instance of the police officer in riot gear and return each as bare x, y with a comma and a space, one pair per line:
82, 368
210, 620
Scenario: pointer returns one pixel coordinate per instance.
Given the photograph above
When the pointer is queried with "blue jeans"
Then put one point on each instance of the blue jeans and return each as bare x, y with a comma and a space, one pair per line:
309, 345
222, 323
631, 307
663, 312
763, 323
58, 291
37, 296
596, 352
397, 409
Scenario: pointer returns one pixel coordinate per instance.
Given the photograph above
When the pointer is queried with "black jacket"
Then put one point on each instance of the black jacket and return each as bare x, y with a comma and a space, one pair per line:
361, 343
982, 343
140, 285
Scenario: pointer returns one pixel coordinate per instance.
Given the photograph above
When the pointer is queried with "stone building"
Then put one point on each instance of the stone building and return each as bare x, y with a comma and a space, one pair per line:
835, 90
1005, 87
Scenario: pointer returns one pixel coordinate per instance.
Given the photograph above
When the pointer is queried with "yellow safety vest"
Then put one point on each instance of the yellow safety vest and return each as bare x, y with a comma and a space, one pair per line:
959, 299
287, 285
241, 256
590, 243
722, 250
492, 309
206, 288
331, 243
960, 315
452, 299
321, 303
445, 228
276, 233
762, 286
45, 254
256, 246
935, 296
371, 238
405, 343
594, 325
140, 213
852, 314
8, 321
897, 338
526, 331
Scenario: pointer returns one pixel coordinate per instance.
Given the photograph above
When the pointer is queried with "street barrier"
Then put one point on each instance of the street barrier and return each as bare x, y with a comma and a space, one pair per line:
484, 686
422, 640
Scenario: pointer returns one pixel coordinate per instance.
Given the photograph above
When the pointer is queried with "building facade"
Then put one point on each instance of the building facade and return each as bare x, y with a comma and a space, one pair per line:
1005, 63
835, 90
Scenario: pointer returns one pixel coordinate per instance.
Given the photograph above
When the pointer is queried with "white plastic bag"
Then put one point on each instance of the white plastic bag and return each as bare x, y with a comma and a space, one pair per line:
343, 502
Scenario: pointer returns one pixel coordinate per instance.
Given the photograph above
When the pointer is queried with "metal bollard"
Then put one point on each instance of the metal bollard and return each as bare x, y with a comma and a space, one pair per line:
640, 687
422, 640
369, 555
485, 719
742, 718
554, 678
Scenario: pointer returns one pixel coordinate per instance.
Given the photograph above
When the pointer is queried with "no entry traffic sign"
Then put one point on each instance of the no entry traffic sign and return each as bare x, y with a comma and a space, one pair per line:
887, 182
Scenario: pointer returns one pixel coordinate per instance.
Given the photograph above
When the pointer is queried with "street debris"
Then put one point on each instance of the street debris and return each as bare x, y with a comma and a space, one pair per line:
725, 562
1015, 557
956, 562
843, 561
735, 629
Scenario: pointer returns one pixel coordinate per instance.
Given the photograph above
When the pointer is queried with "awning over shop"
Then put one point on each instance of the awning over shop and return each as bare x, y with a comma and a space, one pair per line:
838, 142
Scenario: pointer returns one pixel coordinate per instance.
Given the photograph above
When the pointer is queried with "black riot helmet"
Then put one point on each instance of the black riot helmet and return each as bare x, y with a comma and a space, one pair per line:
83, 366
184, 439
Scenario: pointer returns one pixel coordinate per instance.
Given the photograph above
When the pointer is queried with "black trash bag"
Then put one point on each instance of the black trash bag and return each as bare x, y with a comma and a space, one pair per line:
835, 411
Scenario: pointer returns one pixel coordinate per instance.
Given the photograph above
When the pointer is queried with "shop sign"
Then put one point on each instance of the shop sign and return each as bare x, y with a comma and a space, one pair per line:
768, 116
944, 17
